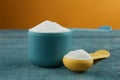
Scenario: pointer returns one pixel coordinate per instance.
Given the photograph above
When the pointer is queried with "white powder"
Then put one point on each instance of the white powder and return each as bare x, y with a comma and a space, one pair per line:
49, 27
78, 55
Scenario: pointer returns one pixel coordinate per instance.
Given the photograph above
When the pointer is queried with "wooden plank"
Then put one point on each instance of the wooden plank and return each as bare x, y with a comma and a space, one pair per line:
15, 64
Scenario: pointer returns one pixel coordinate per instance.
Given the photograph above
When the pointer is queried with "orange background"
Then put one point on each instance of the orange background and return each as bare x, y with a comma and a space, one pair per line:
24, 14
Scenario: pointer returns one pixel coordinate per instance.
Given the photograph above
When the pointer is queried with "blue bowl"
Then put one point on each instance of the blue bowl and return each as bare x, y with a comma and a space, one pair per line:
48, 49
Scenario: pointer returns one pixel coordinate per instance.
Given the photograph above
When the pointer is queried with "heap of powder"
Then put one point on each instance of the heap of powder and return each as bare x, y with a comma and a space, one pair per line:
78, 55
49, 27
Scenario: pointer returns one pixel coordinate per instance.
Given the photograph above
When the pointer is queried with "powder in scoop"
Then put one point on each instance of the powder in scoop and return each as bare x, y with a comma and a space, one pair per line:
78, 55
49, 27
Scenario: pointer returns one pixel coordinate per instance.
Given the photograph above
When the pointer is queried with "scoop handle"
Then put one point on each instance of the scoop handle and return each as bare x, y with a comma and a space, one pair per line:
100, 54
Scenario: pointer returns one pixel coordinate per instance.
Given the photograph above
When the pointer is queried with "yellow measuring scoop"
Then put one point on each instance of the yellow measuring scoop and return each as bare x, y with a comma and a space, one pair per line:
100, 54
83, 65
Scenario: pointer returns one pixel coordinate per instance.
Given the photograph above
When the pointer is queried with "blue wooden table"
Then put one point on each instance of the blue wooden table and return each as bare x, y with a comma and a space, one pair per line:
15, 65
